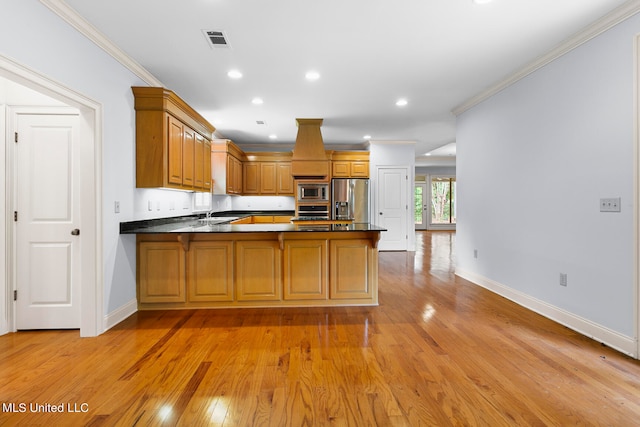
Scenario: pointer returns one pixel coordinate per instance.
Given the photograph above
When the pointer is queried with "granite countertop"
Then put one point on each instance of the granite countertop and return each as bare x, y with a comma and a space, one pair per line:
220, 224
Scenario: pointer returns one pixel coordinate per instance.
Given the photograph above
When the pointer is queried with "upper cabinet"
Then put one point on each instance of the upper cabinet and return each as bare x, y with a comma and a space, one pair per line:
226, 162
172, 142
350, 164
268, 174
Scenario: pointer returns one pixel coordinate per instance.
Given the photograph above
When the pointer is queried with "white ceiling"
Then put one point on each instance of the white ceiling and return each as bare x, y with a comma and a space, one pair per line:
436, 54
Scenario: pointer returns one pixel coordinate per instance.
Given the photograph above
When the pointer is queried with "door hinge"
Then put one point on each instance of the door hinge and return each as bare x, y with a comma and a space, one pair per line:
15, 216
15, 295
15, 137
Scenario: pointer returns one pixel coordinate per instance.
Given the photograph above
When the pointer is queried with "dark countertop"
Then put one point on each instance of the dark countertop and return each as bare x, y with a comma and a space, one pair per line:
195, 224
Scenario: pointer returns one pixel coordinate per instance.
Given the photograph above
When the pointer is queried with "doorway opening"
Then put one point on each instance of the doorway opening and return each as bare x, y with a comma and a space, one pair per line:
89, 202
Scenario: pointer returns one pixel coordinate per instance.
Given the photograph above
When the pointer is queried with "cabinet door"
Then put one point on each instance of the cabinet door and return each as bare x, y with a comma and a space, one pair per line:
305, 270
268, 181
237, 176
341, 169
174, 151
258, 270
161, 272
360, 169
251, 178
206, 183
350, 267
285, 179
262, 219
210, 271
282, 219
188, 156
198, 162
234, 175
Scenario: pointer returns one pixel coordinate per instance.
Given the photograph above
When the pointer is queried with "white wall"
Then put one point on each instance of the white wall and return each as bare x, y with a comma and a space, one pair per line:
532, 163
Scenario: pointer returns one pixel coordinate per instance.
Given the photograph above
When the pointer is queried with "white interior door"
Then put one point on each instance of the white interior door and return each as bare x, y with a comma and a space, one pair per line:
47, 227
393, 208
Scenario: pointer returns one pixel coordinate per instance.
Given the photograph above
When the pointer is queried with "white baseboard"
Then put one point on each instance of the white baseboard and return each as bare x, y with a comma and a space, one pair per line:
622, 343
118, 315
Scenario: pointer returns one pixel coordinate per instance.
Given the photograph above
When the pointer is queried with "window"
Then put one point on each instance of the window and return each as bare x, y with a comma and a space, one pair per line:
201, 202
443, 196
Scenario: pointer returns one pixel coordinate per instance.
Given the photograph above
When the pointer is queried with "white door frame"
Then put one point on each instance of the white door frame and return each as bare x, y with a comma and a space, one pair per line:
91, 279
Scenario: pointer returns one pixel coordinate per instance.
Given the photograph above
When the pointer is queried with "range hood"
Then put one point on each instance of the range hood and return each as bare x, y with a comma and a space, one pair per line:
309, 159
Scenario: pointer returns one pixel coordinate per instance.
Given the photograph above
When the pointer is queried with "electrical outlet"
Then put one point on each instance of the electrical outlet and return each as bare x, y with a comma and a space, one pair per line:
116, 206
563, 279
475, 253
150, 205
610, 205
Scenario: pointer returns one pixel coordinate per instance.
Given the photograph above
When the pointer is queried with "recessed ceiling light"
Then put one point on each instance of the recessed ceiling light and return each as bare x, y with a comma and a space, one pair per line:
367, 137
427, 154
401, 102
234, 74
272, 136
257, 101
482, 1
312, 75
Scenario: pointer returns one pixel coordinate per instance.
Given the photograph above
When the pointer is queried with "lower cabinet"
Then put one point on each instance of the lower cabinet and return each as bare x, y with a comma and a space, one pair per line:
305, 270
257, 269
259, 276
351, 269
161, 272
210, 271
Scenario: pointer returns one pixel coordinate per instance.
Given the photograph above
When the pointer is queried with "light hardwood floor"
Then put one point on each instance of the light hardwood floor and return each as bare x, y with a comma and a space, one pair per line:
437, 351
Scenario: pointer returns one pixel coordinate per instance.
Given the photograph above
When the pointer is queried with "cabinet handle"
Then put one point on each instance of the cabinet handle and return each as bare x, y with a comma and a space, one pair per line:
75, 232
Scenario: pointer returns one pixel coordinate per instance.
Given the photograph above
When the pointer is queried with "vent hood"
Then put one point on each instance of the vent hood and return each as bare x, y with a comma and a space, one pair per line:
309, 159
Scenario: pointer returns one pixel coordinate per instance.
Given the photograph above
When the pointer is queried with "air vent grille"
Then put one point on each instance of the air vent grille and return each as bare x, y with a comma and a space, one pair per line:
217, 38
261, 122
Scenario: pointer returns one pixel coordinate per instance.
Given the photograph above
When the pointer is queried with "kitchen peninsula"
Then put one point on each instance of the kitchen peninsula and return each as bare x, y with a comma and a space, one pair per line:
194, 263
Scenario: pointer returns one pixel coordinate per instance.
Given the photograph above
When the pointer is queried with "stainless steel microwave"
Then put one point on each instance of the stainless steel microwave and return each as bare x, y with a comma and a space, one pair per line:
313, 192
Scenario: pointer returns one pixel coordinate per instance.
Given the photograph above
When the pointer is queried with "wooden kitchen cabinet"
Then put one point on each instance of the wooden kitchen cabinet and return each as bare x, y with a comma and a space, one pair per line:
352, 269
210, 271
161, 272
258, 270
206, 160
285, 179
246, 268
226, 164
268, 179
350, 164
305, 270
188, 157
251, 178
167, 131
198, 162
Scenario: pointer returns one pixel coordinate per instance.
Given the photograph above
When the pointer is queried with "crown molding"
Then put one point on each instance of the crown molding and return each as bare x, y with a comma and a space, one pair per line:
603, 24
68, 14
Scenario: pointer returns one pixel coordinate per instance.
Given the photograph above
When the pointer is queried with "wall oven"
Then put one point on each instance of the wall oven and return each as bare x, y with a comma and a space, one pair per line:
313, 192
309, 212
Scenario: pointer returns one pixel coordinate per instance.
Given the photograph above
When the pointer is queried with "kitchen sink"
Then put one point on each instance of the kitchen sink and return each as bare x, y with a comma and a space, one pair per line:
217, 219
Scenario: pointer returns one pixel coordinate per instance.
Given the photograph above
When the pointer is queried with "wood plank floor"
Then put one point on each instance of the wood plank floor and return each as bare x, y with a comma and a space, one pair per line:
438, 351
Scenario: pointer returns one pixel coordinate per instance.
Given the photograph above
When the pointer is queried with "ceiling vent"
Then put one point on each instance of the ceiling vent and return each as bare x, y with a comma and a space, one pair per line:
261, 122
216, 38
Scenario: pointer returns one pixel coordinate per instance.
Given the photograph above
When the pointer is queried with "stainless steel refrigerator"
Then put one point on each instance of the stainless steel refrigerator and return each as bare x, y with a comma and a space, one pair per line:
350, 199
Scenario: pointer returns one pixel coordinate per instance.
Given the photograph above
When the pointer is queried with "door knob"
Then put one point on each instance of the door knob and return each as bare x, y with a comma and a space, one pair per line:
75, 232
380, 213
